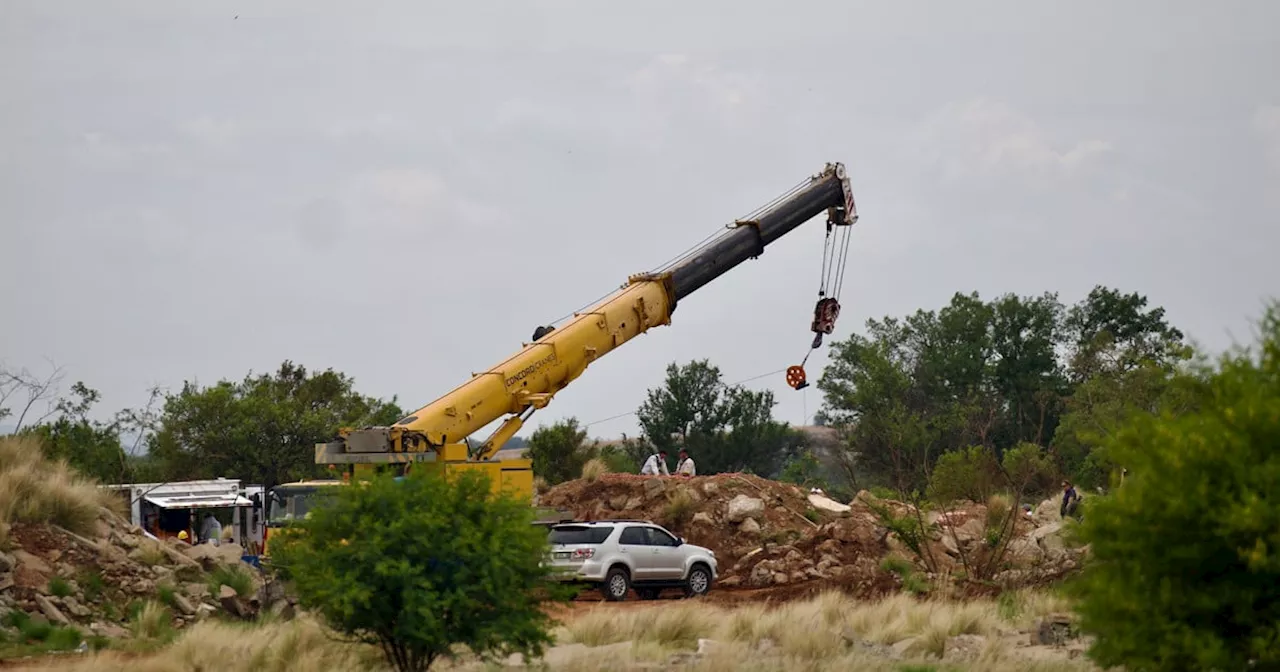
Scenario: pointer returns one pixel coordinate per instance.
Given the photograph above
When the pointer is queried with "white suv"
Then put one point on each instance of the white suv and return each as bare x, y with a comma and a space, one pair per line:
617, 555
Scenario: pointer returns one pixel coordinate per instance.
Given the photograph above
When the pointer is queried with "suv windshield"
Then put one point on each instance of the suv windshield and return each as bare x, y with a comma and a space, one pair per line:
579, 534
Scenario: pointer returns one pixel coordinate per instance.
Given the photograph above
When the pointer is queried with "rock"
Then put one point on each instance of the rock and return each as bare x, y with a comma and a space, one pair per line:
282, 610
51, 612
196, 590
1054, 548
7, 562
793, 556
634, 503
78, 610
964, 647
827, 504
232, 603
1055, 630
703, 518
903, 648
205, 610
1052, 529
972, 530
797, 577
162, 572
749, 526
830, 546
31, 562
710, 488
949, 544
761, 575
1025, 551
742, 507
708, 646
1047, 512
618, 503
780, 579
654, 487
108, 630
183, 605
6, 580
731, 582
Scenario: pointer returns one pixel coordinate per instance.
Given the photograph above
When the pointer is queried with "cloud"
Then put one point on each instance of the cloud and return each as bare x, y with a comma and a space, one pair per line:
984, 137
1266, 123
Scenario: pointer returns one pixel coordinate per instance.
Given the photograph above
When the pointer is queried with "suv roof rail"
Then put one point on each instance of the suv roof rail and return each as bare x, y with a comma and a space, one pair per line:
609, 521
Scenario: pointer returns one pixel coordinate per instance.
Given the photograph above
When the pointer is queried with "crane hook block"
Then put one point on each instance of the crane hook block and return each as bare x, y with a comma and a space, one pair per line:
824, 315
796, 378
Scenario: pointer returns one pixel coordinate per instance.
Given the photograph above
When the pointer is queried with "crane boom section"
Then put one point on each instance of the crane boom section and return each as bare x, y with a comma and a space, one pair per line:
546, 366
528, 380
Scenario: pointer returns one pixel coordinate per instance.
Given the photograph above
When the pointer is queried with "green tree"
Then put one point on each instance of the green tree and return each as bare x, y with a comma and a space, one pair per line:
724, 428
1185, 571
264, 428
558, 451
92, 447
423, 565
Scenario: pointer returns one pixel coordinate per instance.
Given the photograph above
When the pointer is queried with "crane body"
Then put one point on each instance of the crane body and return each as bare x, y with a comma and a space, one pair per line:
435, 437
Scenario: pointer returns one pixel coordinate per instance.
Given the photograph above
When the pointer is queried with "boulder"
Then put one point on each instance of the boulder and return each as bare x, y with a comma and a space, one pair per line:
654, 487
6, 580
964, 647
634, 503
1055, 630
710, 489
618, 503
232, 603
972, 530
32, 562
7, 562
702, 518
51, 612
183, 605
742, 507
1047, 512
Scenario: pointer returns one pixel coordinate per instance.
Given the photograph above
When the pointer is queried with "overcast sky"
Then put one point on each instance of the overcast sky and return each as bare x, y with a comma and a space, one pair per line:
402, 191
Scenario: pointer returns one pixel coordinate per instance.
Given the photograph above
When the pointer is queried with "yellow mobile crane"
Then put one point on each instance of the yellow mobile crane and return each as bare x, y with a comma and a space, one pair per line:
434, 437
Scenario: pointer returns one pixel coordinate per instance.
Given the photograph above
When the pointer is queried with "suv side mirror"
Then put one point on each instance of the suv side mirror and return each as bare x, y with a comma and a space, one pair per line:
679, 541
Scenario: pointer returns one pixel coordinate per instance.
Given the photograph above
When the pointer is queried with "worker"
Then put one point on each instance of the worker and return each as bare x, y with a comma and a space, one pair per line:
184, 537
1070, 499
211, 532
656, 462
685, 466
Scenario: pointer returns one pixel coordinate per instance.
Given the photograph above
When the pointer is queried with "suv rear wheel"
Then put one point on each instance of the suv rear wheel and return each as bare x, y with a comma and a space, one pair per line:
616, 584
699, 581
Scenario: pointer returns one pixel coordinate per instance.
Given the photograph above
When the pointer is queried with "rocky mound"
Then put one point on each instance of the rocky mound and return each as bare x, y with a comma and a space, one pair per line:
768, 534
97, 583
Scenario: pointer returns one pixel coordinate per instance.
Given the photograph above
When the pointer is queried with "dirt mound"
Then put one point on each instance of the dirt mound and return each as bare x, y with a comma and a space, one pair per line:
781, 540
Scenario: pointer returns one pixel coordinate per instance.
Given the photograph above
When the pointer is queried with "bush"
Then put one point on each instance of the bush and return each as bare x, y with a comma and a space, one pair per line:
1186, 569
424, 565
225, 575
969, 473
594, 469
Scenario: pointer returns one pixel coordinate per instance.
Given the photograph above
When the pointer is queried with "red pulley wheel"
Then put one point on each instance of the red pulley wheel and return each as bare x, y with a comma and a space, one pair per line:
795, 377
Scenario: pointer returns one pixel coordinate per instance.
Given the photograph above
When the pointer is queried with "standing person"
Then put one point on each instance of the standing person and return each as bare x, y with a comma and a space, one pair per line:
1070, 498
211, 531
656, 462
685, 466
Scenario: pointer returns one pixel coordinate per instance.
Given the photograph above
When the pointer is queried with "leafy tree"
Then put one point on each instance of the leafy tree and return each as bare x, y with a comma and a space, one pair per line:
424, 565
1186, 573
983, 373
558, 451
971, 473
724, 428
264, 428
91, 447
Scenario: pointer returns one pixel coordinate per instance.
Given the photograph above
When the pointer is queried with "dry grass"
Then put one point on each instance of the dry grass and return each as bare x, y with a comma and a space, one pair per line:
831, 631
594, 469
36, 490
299, 645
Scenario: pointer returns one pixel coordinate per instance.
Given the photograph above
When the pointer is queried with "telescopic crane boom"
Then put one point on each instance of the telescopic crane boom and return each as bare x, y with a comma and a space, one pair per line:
528, 380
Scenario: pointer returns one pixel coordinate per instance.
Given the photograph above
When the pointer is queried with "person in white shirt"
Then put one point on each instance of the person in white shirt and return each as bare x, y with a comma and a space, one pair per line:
685, 466
656, 462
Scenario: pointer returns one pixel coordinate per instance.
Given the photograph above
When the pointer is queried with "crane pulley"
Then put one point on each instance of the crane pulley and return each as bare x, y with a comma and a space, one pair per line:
835, 254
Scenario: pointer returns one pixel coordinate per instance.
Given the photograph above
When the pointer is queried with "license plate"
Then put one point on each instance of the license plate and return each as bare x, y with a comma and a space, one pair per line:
561, 555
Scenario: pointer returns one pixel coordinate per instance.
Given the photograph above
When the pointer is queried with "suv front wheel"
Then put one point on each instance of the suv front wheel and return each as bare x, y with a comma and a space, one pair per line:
699, 581
616, 584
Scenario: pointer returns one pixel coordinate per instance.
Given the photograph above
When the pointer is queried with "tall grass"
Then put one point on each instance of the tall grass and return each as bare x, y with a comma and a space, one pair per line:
299, 645
594, 469
34, 489
832, 631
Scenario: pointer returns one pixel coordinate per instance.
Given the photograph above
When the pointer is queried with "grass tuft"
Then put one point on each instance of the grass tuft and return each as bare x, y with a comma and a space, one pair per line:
34, 489
226, 575
594, 469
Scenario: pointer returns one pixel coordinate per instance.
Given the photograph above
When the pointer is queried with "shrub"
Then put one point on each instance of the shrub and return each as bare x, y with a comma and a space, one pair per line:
679, 508
1186, 572
423, 566
226, 575
58, 587
593, 469
969, 473
152, 621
